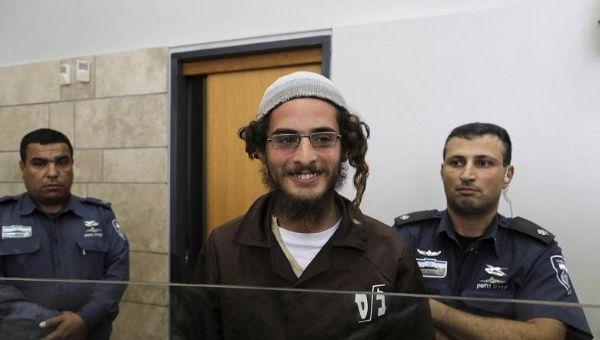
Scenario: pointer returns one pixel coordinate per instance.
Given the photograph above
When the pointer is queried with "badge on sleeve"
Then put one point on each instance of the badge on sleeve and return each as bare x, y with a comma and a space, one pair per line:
562, 274
16, 231
118, 229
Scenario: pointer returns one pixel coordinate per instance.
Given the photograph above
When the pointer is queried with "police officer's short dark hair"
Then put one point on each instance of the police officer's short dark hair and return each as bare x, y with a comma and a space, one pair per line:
468, 131
43, 136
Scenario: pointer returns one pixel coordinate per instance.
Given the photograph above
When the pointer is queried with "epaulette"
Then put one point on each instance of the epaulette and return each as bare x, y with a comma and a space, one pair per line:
7, 198
417, 217
96, 201
529, 228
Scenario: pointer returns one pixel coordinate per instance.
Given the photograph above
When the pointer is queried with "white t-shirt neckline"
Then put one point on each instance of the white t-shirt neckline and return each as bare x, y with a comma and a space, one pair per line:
303, 247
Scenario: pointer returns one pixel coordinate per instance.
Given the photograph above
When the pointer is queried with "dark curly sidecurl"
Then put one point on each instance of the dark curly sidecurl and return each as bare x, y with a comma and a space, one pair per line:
255, 136
354, 148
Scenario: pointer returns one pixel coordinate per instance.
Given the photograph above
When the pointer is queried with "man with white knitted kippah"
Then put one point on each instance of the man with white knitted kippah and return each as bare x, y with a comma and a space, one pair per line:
304, 236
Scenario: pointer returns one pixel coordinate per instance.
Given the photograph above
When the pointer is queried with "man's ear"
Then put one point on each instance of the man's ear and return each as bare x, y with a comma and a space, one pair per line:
22, 167
510, 172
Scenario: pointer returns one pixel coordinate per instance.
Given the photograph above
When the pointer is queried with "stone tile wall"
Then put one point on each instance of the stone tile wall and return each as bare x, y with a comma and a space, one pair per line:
118, 126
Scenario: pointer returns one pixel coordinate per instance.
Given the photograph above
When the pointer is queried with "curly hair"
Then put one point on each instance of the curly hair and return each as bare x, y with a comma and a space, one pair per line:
354, 133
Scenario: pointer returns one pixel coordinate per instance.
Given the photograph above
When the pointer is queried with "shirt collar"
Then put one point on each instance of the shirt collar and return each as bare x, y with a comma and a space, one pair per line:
491, 232
28, 205
445, 226
349, 234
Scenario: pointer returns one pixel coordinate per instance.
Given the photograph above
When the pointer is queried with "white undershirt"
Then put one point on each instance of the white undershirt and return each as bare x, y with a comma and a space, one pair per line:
305, 246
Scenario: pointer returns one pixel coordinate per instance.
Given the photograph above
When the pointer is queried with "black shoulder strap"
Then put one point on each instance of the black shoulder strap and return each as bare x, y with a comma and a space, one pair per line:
8, 198
529, 228
96, 201
416, 217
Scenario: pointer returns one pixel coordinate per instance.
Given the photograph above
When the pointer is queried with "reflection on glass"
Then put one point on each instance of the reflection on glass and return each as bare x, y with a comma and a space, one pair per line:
35, 308
147, 308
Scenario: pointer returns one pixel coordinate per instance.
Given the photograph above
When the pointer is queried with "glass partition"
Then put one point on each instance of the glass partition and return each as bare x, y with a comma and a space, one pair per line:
180, 311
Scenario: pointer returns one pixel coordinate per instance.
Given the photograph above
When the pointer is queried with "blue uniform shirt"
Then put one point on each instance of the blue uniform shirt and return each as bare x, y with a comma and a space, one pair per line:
83, 241
514, 259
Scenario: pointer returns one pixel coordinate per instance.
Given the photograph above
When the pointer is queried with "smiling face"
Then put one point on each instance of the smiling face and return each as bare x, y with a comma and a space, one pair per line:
48, 174
473, 175
304, 173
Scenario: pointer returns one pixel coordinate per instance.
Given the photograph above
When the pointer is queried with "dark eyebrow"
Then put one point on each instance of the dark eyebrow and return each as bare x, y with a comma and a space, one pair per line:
455, 157
284, 131
43, 159
323, 129
291, 131
486, 157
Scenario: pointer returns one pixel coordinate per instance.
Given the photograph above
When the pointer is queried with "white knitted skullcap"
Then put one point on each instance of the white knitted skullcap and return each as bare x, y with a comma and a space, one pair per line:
300, 84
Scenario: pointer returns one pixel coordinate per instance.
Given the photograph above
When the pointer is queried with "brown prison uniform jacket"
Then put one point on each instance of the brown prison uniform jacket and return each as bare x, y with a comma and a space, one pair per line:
361, 258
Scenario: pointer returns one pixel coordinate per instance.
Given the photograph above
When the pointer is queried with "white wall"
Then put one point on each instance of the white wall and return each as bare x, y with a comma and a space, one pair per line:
534, 69
414, 69
34, 30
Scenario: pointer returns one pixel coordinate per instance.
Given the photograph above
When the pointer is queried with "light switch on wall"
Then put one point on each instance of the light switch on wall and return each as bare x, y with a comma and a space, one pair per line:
82, 71
65, 74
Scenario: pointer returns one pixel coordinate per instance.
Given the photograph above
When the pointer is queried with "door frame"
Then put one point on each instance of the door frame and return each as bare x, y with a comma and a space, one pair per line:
186, 224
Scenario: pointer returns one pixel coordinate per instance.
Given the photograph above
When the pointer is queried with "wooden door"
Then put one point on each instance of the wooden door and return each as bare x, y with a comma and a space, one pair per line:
234, 87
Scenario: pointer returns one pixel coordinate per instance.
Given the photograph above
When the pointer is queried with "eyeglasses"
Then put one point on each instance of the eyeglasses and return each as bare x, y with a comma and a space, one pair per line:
322, 139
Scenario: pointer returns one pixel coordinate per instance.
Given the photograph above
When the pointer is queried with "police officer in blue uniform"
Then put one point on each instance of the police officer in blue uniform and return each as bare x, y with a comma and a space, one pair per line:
471, 251
49, 233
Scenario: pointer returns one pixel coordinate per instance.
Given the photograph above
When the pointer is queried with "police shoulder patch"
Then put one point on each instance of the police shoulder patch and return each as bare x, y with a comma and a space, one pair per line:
417, 216
118, 229
531, 229
96, 201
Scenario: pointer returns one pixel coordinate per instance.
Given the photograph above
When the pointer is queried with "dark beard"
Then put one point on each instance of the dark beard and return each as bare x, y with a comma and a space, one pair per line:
467, 208
305, 211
